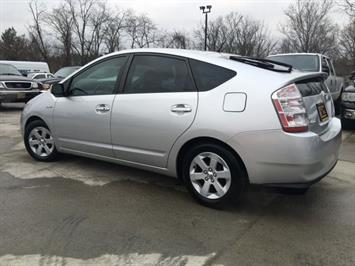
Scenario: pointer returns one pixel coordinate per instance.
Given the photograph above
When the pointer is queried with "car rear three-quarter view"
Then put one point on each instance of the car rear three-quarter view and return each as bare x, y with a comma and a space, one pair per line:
218, 122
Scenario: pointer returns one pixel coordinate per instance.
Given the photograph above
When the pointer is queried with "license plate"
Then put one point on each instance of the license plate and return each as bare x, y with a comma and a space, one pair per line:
322, 112
20, 95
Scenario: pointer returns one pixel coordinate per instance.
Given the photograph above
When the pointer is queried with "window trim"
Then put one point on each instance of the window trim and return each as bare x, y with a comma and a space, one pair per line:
117, 84
181, 58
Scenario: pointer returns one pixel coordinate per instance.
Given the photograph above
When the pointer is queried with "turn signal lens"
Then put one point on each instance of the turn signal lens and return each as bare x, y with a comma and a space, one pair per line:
291, 109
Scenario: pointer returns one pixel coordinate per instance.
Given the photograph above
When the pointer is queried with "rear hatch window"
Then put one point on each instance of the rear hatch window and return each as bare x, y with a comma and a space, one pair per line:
318, 103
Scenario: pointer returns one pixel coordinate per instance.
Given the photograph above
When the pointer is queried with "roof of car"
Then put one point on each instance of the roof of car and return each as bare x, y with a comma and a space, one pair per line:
177, 52
221, 59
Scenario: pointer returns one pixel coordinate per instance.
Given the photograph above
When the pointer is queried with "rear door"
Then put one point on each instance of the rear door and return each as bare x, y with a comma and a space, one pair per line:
157, 105
318, 102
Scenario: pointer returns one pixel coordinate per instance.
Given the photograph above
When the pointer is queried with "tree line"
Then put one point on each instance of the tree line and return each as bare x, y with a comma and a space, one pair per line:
78, 31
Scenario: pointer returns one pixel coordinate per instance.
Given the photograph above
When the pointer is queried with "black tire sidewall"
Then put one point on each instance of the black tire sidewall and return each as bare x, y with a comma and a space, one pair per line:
238, 181
38, 123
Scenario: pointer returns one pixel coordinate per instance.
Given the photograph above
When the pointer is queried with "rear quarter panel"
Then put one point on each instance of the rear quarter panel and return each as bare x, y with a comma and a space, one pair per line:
212, 121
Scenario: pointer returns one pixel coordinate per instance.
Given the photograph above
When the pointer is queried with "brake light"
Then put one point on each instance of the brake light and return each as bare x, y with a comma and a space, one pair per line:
291, 109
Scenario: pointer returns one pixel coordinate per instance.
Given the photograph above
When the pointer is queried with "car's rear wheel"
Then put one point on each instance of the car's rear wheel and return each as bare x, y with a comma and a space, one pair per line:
213, 175
39, 141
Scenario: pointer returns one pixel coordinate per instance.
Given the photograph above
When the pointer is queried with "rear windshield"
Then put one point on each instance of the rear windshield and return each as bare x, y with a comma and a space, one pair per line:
307, 63
313, 86
209, 76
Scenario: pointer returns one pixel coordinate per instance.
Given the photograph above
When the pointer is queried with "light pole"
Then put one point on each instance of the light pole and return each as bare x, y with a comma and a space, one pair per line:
206, 10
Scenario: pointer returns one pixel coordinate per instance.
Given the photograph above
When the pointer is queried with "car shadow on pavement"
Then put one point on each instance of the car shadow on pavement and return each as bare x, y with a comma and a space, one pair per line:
11, 107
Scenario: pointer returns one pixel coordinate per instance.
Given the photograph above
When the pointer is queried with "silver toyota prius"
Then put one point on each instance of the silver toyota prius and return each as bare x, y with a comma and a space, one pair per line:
216, 121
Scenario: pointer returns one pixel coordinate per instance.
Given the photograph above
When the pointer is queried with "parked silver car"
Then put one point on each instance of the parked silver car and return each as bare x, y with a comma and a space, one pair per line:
217, 121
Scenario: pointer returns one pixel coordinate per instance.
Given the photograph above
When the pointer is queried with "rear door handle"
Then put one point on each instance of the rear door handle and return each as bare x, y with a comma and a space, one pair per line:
102, 108
181, 108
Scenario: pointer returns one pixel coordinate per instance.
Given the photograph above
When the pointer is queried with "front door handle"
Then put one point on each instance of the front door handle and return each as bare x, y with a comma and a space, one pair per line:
181, 108
102, 108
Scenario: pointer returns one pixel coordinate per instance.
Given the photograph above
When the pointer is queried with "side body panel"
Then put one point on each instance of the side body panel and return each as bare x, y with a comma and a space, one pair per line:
78, 126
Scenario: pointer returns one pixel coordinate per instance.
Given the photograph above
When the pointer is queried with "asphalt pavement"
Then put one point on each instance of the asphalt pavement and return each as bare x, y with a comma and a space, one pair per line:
79, 211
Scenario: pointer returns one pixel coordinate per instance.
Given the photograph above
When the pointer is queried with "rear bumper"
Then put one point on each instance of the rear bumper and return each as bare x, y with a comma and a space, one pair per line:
278, 158
18, 96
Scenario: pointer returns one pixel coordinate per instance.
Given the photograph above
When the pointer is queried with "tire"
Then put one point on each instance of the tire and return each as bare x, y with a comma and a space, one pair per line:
39, 142
201, 175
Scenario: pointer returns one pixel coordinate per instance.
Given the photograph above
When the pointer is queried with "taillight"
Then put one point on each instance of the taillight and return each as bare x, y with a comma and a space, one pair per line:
291, 109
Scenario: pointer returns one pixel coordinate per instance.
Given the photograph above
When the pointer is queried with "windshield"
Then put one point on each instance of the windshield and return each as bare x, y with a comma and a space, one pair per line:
9, 70
307, 63
65, 71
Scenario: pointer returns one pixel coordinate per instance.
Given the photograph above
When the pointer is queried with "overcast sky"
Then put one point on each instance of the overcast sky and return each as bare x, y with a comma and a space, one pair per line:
168, 14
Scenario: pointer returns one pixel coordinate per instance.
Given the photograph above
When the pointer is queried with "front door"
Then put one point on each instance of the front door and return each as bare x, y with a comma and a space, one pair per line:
157, 105
82, 119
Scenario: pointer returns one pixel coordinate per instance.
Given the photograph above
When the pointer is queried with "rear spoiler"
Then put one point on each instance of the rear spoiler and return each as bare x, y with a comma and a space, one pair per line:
307, 76
263, 63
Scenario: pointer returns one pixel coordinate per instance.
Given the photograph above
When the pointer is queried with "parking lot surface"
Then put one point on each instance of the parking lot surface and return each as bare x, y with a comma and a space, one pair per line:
79, 211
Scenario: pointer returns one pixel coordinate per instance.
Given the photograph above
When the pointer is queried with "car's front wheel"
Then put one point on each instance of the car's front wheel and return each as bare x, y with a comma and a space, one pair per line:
39, 141
213, 175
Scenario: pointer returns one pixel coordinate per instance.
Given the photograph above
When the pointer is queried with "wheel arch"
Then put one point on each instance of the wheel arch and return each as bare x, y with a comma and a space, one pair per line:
34, 118
198, 140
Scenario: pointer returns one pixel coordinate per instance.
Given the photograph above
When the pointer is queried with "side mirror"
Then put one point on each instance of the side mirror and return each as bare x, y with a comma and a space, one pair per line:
58, 90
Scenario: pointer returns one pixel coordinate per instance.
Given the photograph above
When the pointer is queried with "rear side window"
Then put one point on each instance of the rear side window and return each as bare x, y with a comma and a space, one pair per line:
208, 76
158, 74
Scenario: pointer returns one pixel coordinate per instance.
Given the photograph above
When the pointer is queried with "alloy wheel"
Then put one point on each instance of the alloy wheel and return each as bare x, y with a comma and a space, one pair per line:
41, 141
210, 175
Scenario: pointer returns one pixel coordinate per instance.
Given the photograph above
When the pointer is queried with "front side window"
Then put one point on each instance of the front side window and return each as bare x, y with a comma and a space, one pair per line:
100, 79
209, 76
158, 74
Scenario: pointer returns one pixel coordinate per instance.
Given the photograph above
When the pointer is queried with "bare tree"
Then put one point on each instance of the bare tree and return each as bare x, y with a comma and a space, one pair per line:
216, 35
348, 6
308, 27
113, 31
175, 39
81, 12
132, 25
179, 40
98, 23
60, 21
146, 31
36, 30
251, 38
236, 34
347, 43
141, 30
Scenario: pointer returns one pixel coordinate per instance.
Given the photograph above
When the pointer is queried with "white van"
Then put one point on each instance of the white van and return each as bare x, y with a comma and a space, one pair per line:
26, 67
